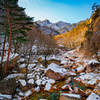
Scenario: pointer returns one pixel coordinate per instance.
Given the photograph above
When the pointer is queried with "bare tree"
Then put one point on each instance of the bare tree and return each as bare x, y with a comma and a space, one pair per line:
46, 46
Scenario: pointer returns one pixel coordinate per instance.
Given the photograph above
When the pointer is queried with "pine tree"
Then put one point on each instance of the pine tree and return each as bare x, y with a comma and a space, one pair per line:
17, 25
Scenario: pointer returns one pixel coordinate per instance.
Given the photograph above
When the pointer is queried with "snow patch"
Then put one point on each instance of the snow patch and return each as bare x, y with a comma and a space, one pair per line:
56, 68
38, 82
31, 81
63, 87
27, 93
71, 95
21, 60
31, 66
47, 87
93, 61
93, 96
22, 66
23, 82
37, 89
13, 76
4, 96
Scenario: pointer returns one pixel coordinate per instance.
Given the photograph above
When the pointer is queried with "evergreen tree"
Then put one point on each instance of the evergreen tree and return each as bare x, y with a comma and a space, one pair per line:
16, 22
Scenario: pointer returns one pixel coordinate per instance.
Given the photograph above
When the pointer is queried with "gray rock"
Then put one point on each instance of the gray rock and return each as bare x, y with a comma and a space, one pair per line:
8, 86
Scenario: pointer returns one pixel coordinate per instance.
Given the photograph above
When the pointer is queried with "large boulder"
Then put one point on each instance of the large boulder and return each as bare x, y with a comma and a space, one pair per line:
54, 75
93, 96
8, 86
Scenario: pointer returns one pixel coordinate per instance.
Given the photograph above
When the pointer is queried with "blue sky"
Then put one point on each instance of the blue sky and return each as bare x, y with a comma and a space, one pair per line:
59, 10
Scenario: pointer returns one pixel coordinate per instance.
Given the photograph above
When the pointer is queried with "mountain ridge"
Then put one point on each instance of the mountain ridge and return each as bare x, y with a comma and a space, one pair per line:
59, 27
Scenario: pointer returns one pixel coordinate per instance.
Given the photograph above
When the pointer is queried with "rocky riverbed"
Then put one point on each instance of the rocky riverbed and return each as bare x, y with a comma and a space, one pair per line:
67, 76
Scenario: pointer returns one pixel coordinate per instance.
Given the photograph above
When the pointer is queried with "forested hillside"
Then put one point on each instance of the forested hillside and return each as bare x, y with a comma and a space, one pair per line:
74, 37
85, 34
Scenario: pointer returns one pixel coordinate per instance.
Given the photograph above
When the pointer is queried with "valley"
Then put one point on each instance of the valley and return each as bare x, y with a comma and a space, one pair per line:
44, 60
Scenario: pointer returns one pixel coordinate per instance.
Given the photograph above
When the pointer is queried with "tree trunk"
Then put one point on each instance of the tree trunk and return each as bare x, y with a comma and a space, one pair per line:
45, 61
9, 49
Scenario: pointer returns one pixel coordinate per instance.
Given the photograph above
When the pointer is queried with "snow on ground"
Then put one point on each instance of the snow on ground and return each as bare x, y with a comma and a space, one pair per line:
27, 93
37, 89
49, 83
77, 58
4, 97
22, 66
66, 61
93, 96
37, 76
69, 73
14, 76
93, 61
92, 81
31, 81
48, 87
56, 57
23, 82
70, 53
37, 70
89, 78
21, 60
20, 93
63, 87
89, 61
34, 48
71, 95
54, 67
80, 68
12, 56
39, 67
38, 82
31, 75
31, 66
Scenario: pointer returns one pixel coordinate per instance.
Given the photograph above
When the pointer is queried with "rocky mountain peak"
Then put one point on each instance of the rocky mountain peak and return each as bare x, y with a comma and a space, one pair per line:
59, 27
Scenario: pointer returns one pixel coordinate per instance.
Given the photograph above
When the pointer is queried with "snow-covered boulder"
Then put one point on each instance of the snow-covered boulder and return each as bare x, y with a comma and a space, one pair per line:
55, 71
93, 96
56, 68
